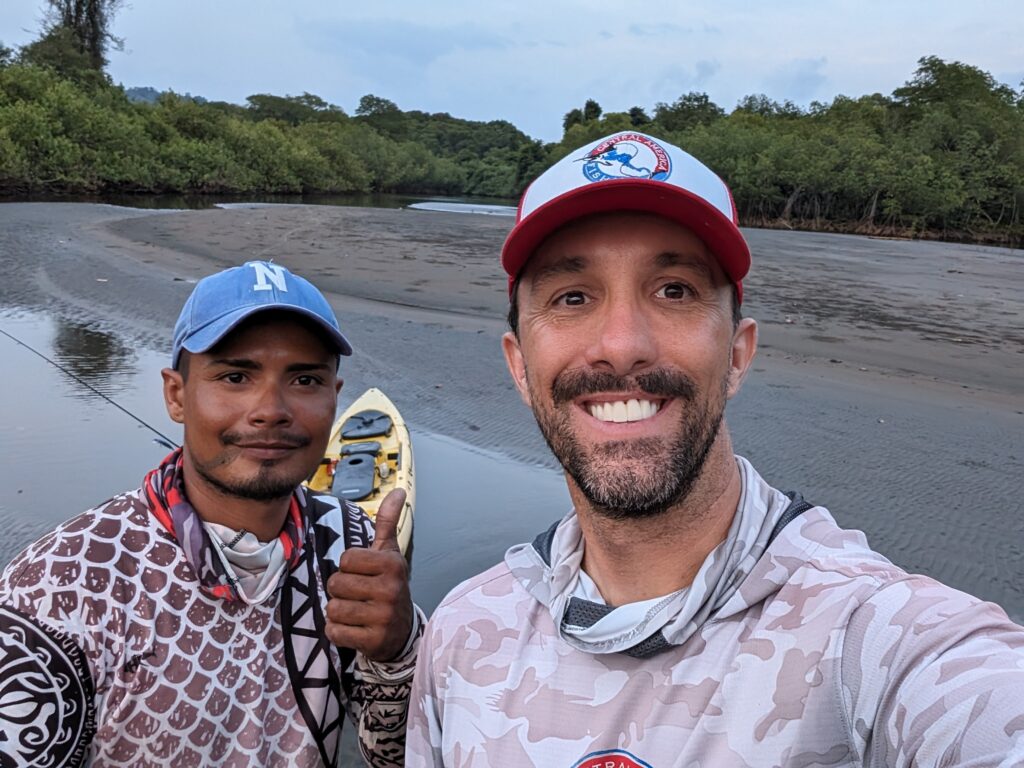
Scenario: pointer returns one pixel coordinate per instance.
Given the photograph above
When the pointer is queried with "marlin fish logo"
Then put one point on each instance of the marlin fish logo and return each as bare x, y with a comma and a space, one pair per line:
627, 156
624, 155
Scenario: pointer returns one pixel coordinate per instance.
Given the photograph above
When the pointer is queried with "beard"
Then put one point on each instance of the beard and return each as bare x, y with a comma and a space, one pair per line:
630, 479
270, 482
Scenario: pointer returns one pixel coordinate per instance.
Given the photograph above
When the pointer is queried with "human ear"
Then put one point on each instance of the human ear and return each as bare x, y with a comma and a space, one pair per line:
174, 394
744, 347
516, 365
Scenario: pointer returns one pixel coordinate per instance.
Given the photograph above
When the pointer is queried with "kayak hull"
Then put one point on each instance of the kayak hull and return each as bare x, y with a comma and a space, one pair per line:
368, 455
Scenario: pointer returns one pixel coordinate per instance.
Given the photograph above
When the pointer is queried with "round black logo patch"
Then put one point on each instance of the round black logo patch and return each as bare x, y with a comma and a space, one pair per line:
47, 715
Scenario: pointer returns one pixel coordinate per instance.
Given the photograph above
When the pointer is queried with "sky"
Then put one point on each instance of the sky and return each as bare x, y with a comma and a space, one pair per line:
530, 62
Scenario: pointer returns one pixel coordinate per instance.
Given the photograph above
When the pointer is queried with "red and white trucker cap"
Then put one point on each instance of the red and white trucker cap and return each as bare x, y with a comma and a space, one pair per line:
630, 171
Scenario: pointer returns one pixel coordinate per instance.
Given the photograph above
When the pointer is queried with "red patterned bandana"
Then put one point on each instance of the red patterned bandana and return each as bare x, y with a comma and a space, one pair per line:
165, 489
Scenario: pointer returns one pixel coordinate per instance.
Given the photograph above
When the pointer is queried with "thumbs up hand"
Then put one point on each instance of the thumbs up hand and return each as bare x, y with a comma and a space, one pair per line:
370, 608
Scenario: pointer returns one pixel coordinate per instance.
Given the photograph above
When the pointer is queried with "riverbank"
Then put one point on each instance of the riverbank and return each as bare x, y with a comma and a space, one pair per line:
887, 386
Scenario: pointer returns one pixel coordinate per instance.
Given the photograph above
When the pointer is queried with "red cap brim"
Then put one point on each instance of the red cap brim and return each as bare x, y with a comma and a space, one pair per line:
719, 233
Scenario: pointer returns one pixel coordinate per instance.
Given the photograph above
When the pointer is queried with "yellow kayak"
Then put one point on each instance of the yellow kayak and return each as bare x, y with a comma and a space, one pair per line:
370, 454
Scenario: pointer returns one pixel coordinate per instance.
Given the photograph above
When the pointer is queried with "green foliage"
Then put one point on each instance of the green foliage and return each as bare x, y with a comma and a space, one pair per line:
638, 117
943, 154
572, 117
293, 109
88, 24
531, 160
759, 104
59, 50
382, 115
689, 110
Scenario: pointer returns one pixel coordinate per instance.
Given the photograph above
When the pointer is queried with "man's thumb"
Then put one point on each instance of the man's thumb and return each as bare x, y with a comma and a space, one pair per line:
386, 525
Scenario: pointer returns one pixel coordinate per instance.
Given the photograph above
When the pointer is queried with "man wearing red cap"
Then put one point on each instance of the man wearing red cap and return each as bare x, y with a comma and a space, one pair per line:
684, 612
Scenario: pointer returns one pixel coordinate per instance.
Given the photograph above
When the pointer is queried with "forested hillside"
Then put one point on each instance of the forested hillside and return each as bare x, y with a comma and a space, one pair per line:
942, 156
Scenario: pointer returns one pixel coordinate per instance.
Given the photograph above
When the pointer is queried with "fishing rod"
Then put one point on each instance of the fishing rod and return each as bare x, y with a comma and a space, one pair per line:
160, 439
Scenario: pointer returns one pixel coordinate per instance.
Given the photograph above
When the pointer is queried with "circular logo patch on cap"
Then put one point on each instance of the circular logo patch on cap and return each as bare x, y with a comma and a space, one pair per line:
627, 156
612, 758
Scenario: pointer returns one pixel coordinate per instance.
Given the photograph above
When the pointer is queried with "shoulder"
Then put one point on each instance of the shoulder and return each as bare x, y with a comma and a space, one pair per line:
94, 536
832, 556
96, 559
482, 620
934, 666
492, 604
917, 618
894, 619
824, 579
492, 587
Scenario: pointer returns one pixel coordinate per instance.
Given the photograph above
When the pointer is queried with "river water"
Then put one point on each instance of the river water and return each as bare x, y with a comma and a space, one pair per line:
67, 447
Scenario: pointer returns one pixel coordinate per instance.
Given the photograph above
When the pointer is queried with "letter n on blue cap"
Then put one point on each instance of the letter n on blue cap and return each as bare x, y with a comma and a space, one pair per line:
268, 272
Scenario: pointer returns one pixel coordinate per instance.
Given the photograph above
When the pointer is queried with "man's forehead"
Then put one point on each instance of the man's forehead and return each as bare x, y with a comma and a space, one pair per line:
637, 239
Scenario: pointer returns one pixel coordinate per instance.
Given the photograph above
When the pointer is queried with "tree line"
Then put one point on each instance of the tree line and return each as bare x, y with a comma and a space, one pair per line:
942, 156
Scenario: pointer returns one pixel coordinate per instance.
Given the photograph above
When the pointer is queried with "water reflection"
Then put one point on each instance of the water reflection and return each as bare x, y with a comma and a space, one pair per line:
61, 456
93, 355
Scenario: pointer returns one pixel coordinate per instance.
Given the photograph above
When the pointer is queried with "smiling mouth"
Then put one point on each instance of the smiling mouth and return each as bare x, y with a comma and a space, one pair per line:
267, 451
623, 411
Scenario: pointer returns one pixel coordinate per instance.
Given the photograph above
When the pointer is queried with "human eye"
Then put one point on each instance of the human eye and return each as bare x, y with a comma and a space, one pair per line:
571, 299
308, 380
233, 377
674, 291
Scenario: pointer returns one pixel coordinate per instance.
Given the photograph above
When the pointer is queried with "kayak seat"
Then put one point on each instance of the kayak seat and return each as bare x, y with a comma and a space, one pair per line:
370, 446
353, 477
368, 423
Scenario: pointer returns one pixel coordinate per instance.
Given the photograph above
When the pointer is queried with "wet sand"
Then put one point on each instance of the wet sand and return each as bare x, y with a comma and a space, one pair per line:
887, 386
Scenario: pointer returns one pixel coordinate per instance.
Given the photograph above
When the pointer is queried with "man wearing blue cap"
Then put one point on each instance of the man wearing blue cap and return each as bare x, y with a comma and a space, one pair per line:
221, 614
684, 612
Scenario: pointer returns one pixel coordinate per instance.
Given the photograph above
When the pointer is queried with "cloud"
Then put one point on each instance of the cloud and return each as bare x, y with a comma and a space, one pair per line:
799, 80
658, 30
420, 44
673, 81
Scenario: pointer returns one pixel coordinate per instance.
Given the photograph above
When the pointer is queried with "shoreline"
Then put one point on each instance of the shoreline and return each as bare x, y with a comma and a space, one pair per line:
886, 387
209, 200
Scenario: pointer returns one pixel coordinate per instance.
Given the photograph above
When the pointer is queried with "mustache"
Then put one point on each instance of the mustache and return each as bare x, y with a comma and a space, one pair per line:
290, 439
660, 382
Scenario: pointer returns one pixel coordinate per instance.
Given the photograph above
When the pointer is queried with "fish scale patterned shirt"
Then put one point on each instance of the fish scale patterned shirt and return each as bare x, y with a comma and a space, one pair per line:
806, 649
111, 654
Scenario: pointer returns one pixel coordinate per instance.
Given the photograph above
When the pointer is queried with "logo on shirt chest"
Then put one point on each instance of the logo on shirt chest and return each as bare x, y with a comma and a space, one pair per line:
611, 758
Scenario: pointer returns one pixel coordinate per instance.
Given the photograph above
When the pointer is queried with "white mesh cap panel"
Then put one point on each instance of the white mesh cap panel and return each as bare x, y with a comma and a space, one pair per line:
627, 155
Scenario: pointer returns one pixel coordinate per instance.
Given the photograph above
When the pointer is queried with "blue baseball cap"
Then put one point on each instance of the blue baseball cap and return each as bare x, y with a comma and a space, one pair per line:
221, 301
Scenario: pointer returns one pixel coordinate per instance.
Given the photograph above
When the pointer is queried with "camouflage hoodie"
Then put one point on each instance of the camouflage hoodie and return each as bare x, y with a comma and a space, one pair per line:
806, 649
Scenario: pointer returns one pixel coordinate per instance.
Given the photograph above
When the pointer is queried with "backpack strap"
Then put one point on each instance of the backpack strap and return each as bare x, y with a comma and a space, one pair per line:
797, 506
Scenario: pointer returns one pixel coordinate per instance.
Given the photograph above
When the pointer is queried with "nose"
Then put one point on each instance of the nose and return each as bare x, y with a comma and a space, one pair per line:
623, 338
270, 406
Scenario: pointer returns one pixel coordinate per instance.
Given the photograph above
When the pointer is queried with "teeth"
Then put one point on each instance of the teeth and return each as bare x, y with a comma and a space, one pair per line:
618, 412
624, 410
633, 411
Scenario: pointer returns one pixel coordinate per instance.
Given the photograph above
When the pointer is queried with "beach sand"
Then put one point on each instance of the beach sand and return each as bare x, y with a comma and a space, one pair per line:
887, 387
